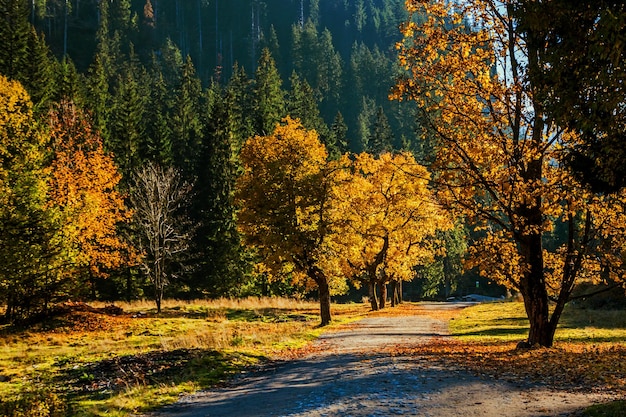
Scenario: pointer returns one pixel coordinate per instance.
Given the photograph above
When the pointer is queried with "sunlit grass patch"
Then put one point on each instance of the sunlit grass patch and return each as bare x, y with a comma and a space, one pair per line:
500, 321
507, 321
596, 326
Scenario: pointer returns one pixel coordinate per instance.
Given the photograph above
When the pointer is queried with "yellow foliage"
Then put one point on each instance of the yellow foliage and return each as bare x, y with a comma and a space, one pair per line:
282, 195
383, 209
21, 143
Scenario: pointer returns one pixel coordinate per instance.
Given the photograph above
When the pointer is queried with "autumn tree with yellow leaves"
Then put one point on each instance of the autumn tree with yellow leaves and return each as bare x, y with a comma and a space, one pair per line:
283, 196
29, 244
385, 218
500, 160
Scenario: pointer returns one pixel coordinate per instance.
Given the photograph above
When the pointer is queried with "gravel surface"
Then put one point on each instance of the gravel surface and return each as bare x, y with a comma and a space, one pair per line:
353, 374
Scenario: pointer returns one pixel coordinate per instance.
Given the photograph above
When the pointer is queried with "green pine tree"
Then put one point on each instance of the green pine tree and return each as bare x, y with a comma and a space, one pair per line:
127, 123
14, 33
269, 96
185, 120
171, 63
38, 72
302, 105
223, 266
364, 123
241, 92
271, 42
338, 140
380, 138
330, 70
70, 83
99, 96
158, 143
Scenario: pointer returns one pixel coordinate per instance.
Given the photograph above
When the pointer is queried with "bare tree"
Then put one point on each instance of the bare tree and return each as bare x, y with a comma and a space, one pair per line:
159, 197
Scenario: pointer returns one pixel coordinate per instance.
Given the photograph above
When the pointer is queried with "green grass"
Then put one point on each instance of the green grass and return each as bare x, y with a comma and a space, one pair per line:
502, 321
612, 409
92, 365
506, 321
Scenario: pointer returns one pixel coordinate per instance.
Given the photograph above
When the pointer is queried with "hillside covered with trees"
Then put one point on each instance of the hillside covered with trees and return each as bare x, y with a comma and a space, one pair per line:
157, 98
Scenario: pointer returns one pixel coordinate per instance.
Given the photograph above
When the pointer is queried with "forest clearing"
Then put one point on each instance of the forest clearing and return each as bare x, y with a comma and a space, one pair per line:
241, 156
88, 363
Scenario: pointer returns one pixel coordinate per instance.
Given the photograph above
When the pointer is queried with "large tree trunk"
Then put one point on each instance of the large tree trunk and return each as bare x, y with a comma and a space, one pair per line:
371, 274
8, 314
535, 294
396, 292
372, 294
382, 289
533, 284
157, 300
324, 296
323, 291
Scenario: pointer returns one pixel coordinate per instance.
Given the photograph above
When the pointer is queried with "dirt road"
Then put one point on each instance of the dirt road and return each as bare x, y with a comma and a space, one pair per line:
353, 374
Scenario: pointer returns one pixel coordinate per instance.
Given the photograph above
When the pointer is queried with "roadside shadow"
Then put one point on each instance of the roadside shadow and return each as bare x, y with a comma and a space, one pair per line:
501, 331
295, 387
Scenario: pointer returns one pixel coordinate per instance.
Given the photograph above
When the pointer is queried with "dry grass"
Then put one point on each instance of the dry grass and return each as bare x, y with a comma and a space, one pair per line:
249, 303
119, 365
192, 344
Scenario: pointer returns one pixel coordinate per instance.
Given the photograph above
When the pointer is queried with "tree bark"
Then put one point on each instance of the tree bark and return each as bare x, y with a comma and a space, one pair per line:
324, 296
157, 300
382, 301
323, 290
396, 292
535, 294
532, 285
372, 294
8, 314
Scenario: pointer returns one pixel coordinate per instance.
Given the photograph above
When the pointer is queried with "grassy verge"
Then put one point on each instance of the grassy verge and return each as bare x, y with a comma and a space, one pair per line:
613, 409
506, 321
588, 354
89, 364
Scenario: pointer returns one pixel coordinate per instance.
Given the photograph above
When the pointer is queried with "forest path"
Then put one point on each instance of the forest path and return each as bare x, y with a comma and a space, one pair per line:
356, 372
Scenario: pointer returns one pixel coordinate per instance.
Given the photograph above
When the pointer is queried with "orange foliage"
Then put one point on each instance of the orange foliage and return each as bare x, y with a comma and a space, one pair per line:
500, 162
570, 366
83, 185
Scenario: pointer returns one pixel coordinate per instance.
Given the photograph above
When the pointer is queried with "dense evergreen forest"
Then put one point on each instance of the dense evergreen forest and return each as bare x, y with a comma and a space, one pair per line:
343, 49
163, 93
